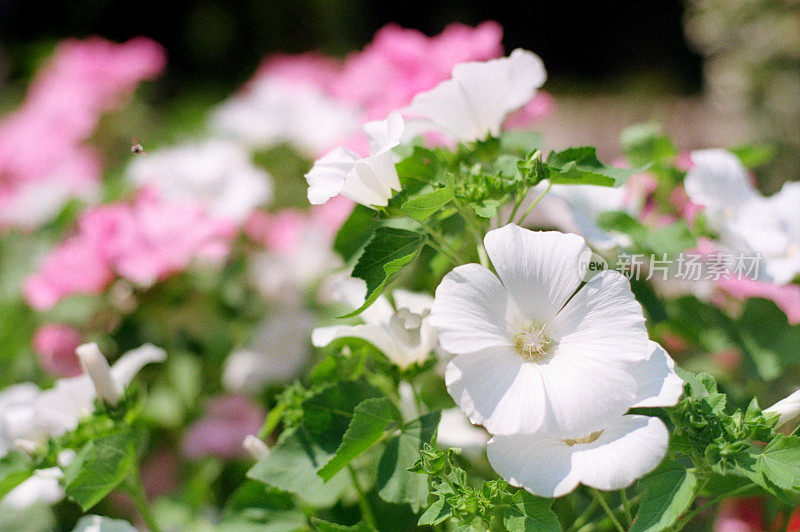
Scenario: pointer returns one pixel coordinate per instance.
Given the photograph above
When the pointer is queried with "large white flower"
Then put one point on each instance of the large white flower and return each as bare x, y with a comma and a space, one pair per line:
474, 103
749, 223
370, 181
402, 332
609, 457
215, 173
28, 413
272, 111
534, 352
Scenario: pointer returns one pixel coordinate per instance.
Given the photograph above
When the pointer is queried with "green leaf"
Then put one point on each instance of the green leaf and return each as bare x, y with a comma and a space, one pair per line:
15, 468
530, 513
436, 513
669, 491
395, 482
292, 466
418, 169
645, 143
327, 414
780, 461
38, 517
371, 419
326, 526
384, 256
580, 166
520, 141
754, 155
97, 523
671, 239
355, 232
423, 207
100, 467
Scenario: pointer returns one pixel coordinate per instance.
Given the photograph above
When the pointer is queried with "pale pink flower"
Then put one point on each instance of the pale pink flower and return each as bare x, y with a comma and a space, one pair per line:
786, 297
534, 111
227, 421
310, 68
55, 345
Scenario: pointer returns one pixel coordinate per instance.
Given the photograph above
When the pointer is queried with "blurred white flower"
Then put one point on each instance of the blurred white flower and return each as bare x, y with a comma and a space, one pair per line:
43, 486
749, 223
28, 413
456, 430
534, 352
216, 173
403, 332
586, 203
255, 447
277, 352
370, 181
474, 103
272, 111
609, 457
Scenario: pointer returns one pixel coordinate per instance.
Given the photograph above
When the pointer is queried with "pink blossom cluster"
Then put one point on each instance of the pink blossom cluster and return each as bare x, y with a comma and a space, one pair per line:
143, 241
43, 154
227, 421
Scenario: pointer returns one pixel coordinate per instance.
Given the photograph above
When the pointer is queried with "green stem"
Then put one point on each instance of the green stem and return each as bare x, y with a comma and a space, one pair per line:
135, 490
535, 202
441, 244
482, 256
587, 513
691, 515
599, 497
626, 507
363, 503
517, 205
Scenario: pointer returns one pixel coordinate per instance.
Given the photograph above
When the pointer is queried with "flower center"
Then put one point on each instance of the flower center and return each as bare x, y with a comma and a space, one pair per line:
532, 344
586, 439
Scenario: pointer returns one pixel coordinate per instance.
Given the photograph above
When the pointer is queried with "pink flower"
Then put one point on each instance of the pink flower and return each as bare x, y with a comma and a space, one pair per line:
786, 297
310, 68
55, 344
43, 159
227, 421
685, 207
399, 63
144, 241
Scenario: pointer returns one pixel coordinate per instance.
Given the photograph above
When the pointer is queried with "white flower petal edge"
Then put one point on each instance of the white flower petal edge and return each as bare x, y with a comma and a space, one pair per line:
529, 357
658, 384
370, 181
474, 103
718, 180
787, 408
623, 451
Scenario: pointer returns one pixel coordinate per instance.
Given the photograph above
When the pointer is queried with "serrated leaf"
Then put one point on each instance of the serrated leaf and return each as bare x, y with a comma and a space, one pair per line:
669, 491
780, 461
530, 514
327, 414
292, 466
395, 482
100, 467
97, 523
384, 256
371, 419
580, 166
423, 207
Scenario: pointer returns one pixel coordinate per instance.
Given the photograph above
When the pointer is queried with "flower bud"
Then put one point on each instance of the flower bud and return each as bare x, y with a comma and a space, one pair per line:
96, 366
255, 447
787, 408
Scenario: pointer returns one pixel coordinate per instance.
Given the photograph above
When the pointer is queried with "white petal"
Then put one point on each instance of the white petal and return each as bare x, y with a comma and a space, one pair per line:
455, 430
129, 364
787, 408
372, 180
415, 302
658, 384
546, 466
540, 270
718, 180
496, 389
326, 178
469, 310
383, 135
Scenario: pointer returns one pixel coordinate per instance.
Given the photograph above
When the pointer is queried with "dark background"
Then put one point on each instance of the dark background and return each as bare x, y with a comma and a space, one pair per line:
583, 44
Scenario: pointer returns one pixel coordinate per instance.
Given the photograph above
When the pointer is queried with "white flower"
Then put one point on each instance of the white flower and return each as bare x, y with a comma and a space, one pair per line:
370, 181
277, 352
609, 457
403, 332
474, 103
787, 408
586, 203
255, 447
271, 111
749, 223
215, 173
455, 430
96, 366
28, 413
43, 486
534, 352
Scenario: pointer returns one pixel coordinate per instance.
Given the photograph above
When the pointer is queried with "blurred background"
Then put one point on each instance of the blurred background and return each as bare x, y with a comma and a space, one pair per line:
712, 72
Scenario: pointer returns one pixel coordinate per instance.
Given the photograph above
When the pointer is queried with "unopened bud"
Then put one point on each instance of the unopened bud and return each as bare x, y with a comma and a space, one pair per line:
96, 366
787, 408
255, 447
